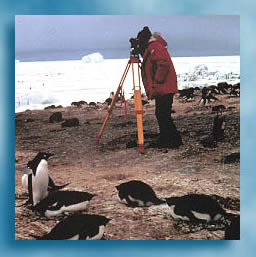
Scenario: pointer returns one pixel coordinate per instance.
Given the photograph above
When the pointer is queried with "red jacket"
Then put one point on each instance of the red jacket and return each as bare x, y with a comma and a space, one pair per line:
157, 71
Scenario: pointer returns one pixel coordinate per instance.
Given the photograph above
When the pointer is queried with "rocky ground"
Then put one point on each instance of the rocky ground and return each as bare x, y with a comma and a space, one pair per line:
98, 168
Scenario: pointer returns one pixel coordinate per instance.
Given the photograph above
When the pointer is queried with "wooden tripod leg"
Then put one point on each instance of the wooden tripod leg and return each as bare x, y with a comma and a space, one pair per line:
139, 112
113, 101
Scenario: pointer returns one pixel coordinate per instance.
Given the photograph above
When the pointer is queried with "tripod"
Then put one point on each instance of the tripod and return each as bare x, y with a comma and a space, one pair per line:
137, 102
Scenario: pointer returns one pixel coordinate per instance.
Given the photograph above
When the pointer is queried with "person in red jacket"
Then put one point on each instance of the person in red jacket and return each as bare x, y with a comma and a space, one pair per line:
160, 83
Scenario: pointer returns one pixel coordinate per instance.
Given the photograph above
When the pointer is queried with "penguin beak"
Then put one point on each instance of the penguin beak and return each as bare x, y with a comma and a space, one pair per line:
49, 155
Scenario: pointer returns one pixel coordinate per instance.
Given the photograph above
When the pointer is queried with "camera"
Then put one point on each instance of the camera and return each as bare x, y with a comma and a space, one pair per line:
140, 43
134, 50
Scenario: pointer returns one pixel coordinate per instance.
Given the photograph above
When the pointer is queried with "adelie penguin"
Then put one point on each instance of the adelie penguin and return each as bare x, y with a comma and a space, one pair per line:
40, 178
217, 131
63, 201
51, 185
78, 227
136, 193
195, 208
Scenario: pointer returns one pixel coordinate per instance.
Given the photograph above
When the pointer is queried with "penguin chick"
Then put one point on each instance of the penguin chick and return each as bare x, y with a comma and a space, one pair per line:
78, 227
63, 201
195, 208
136, 193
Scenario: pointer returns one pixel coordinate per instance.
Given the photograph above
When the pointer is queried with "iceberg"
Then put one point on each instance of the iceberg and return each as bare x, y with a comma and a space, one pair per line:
93, 58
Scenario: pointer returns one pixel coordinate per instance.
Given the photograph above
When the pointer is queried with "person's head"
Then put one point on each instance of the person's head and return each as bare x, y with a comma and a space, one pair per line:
143, 38
154, 36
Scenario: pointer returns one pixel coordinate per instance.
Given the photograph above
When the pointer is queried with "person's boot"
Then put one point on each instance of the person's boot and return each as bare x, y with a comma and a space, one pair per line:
175, 141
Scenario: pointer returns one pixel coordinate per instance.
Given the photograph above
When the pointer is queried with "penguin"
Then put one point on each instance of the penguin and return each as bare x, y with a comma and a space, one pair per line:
63, 201
217, 131
26, 181
40, 177
51, 185
195, 208
217, 108
136, 193
78, 227
218, 126
232, 232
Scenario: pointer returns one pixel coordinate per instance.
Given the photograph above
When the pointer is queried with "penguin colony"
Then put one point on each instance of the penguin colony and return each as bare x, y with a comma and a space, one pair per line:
208, 94
46, 199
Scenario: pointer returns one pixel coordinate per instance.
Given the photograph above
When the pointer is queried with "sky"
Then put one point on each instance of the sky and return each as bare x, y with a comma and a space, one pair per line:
73, 36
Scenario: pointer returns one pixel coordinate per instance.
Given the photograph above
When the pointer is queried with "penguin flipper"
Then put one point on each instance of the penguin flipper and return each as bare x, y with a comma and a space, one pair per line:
56, 188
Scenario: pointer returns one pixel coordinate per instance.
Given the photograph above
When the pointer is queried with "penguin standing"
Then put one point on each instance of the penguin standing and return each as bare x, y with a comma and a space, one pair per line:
52, 187
217, 131
63, 201
40, 177
195, 208
218, 126
136, 193
78, 227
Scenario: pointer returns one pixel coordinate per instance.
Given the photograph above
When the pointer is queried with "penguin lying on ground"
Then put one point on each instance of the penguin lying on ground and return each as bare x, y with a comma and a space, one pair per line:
195, 208
63, 201
78, 227
137, 194
40, 177
233, 230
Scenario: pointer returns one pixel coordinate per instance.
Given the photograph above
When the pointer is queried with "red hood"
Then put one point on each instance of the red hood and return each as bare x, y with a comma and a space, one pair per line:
160, 40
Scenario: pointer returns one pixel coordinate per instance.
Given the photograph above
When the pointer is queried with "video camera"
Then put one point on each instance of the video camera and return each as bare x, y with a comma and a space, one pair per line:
140, 43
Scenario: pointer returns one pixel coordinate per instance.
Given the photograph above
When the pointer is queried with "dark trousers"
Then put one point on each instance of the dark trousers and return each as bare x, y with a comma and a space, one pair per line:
169, 135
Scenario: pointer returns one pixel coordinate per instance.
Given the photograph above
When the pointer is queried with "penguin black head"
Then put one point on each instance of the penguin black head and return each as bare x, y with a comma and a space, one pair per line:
120, 192
37, 159
171, 201
104, 220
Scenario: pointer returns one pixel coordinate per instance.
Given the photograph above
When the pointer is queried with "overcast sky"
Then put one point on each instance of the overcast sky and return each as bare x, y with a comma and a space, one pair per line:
186, 35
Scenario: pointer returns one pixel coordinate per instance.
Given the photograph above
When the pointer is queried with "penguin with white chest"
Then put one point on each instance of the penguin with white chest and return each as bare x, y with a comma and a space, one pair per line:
63, 201
40, 177
136, 193
52, 187
78, 227
195, 208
